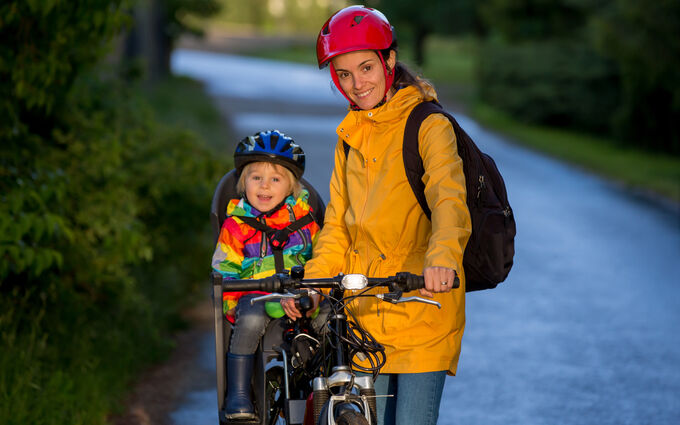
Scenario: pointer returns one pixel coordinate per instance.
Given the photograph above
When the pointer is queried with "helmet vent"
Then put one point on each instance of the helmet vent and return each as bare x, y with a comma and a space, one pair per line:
357, 20
273, 139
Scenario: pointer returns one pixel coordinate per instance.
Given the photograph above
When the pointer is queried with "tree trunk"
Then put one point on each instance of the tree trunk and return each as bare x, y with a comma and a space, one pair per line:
162, 41
419, 45
148, 39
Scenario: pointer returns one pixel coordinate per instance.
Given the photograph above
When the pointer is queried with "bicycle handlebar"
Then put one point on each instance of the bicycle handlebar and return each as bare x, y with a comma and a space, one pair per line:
402, 281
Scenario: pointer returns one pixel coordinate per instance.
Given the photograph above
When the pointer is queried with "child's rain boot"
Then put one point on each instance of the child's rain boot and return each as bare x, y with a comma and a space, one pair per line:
239, 372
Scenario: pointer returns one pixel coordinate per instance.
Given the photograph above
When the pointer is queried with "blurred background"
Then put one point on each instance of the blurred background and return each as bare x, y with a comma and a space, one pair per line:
108, 161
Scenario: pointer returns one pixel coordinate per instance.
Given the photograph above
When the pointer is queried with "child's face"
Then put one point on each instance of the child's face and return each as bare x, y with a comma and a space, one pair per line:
267, 185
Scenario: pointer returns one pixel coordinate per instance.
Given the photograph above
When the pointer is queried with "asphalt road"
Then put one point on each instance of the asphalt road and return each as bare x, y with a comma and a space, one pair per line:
585, 330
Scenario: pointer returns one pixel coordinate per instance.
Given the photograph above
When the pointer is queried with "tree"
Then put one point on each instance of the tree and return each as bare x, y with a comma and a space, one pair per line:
560, 62
420, 19
158, 25
642, 39
45, 45
521, 20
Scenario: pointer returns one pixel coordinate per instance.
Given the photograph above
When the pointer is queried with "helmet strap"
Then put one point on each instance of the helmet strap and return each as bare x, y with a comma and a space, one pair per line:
389, 76
334, 76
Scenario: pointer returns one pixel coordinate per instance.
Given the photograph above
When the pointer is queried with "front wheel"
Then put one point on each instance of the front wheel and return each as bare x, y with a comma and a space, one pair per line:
351, 418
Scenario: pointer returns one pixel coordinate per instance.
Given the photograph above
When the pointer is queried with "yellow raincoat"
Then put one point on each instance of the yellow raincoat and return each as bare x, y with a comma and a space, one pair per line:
375, 226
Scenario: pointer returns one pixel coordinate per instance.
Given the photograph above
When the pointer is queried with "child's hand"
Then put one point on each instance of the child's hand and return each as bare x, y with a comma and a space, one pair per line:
288, 305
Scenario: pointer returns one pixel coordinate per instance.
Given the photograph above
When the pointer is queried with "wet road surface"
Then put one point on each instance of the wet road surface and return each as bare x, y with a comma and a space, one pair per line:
585, 330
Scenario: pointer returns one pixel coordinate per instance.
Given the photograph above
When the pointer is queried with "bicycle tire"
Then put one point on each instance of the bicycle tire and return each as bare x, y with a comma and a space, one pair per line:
351, 418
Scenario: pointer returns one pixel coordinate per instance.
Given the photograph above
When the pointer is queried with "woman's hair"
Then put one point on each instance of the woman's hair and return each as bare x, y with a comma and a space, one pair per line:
403, 76
294, 183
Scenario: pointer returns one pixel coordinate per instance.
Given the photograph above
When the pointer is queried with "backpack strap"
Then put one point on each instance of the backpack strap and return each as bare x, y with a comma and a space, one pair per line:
278, 237
413, 163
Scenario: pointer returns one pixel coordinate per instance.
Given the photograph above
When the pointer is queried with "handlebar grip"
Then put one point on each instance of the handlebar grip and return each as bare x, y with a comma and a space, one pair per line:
412, 282
417, 282
241, 285
409, 282
270, 284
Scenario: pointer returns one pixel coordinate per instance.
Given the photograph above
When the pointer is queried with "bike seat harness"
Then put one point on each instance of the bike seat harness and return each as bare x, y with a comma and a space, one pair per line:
278, 237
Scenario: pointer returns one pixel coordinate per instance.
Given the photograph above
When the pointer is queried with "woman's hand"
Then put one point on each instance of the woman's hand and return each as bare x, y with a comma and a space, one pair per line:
437, 279
291, 311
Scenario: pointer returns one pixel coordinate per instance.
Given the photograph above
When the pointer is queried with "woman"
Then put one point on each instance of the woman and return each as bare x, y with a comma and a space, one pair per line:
375, 226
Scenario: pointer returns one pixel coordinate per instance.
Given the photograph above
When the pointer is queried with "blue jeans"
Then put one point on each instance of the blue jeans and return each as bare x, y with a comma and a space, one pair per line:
251, 322
416, 398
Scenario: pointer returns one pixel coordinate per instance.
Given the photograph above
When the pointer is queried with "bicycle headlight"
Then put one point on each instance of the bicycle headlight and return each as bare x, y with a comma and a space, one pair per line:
354, 281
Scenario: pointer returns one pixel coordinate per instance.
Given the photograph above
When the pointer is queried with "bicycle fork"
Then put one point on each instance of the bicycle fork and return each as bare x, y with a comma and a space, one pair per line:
343, 387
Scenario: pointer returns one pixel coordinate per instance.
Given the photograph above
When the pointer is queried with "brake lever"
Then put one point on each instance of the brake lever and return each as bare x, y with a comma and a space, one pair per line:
277, 296
395, 298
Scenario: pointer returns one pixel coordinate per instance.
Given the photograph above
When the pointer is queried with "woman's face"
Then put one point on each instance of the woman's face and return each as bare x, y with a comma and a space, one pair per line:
266, 185
362, 77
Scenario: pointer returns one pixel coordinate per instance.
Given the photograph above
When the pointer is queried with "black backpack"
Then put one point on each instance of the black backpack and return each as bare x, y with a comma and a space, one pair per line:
490, 250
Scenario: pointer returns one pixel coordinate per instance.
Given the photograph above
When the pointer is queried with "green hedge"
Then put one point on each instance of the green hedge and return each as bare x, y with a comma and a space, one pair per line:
104, 232
559, 83
104, 240
607, 66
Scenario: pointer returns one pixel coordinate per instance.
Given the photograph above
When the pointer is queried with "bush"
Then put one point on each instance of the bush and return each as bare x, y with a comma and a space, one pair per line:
45, 46
642, 40
103, 217
110, 245
558, 83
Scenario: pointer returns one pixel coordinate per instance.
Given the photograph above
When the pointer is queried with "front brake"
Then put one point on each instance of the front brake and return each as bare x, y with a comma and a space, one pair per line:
396, 298
276, 296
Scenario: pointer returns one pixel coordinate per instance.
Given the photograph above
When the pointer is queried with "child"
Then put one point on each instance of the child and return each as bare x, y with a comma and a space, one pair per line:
270, 228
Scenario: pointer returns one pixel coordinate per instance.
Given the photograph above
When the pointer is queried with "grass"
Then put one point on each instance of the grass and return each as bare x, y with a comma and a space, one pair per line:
637, 169
450, 65
295, 52
64, 368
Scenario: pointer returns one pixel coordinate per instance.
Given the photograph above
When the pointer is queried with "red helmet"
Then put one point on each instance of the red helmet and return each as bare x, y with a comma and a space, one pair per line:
350, 29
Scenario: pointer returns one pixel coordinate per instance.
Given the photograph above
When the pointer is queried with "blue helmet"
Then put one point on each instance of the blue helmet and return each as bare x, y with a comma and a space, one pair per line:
270, 146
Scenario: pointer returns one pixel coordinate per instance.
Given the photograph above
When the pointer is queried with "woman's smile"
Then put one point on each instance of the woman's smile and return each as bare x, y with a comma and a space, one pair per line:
364, 94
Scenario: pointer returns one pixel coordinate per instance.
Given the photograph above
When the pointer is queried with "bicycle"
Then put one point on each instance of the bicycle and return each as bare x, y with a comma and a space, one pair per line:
310, 379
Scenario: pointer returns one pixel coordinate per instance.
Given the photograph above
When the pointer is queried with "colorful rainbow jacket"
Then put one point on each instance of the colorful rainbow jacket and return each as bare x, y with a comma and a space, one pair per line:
245, 253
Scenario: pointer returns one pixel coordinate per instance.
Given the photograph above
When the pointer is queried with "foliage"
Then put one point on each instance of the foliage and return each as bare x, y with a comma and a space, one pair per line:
179, 10
416, 21
183, 102
647, 173
559, 83
642, 39
113, 245
436, 16
276, 17
103, 217
623, 70
45, 44
521, 20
